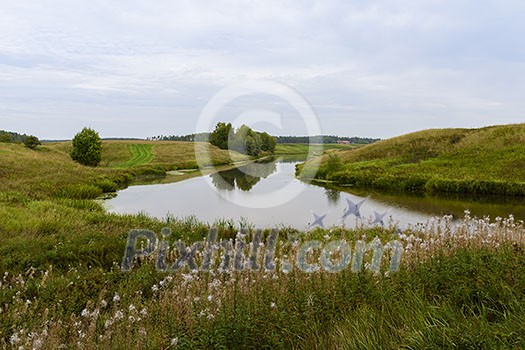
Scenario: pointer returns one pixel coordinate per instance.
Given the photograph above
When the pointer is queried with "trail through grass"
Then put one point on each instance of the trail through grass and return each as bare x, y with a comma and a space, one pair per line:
140, 154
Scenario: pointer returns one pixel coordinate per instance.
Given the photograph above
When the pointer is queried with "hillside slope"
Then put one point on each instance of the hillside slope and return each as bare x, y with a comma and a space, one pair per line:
50, 171
489, 160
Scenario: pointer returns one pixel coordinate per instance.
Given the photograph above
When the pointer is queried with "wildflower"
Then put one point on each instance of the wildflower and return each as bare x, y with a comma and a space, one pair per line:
95, 313
187, 277
15, 339
132, 308
272, 305
85, 313
310, 300
119, 315
154, 288
215, 283
210, 297
174, 342
37, 343
144, 312
103, 304
116, 297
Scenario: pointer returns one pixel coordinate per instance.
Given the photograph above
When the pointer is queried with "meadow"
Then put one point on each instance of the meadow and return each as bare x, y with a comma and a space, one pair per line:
460, 285
317, 149
489, 160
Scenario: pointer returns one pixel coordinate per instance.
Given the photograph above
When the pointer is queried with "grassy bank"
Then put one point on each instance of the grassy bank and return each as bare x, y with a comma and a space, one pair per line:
489, 160
303, 148
61, 285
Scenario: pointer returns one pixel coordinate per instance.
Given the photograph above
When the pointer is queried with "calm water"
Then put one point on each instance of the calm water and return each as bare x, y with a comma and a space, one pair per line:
229, 194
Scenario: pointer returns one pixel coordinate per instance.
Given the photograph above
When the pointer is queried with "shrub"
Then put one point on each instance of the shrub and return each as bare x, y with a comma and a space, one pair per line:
87, 147
32, 142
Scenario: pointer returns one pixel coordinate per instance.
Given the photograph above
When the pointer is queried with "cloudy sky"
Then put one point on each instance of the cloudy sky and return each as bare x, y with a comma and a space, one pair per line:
368, 68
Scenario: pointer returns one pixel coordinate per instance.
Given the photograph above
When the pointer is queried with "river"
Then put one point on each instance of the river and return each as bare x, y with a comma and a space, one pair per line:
268, 195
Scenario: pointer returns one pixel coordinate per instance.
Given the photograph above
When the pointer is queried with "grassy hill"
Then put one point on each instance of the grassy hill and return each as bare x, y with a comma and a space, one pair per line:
489, 160
61, 285
49, 170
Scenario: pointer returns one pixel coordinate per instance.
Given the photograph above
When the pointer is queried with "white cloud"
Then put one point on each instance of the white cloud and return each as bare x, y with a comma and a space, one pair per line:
369, 68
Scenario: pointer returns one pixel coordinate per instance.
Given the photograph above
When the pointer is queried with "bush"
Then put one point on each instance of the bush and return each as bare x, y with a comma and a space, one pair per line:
32, 142
87, 147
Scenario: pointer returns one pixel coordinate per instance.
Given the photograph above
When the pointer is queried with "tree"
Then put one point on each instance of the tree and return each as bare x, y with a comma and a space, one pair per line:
32, 142
246, 141
221, 135
243, 140
87, 147
5, 138
267, 142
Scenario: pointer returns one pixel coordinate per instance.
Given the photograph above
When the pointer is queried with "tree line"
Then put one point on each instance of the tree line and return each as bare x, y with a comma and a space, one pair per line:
324, 139
279, 139
199, 137
29, 141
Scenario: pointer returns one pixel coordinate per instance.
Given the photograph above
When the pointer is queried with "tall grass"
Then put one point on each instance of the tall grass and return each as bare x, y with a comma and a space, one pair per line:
460, 284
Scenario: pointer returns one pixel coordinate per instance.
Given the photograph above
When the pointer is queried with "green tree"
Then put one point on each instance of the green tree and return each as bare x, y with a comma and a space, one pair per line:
246, 141
252, 143
243, 140
221, 135
5, 138
32, 142
267, 142
87, 147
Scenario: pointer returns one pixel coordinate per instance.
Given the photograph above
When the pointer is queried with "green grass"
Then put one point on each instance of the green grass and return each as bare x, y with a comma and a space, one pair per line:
302, 148
140, 154
489, 160
59, 272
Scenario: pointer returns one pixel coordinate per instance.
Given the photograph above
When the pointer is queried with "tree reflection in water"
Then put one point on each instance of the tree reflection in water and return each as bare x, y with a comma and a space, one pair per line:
332, 195
243, 177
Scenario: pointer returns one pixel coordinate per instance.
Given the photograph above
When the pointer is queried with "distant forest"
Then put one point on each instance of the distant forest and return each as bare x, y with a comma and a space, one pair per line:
280, 139
324, 139
9, 136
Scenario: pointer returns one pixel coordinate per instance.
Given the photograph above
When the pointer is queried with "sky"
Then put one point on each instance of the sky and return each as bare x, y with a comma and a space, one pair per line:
366, 68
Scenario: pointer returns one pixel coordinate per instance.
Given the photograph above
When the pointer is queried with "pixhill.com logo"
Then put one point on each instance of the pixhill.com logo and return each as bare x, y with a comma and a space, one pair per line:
265, 251
261, 253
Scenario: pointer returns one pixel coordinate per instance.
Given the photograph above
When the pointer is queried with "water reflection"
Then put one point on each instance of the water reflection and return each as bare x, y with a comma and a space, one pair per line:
332, 195
243, 177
